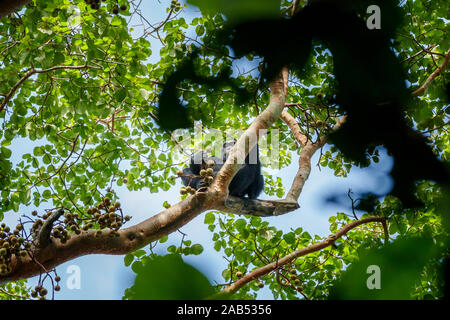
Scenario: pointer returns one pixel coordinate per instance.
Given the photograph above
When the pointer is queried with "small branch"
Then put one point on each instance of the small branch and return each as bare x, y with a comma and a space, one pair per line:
286, 116
255, 274
44, 234
386, 231
349, 194
29, 74
13, 295
436, 72
305, 163
295, 128
418, 53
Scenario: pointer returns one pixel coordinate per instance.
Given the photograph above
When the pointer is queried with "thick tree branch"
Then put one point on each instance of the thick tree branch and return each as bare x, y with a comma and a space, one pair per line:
255, 274
304, 162
436, 72
256, 207
262, 122
92, 242
308, 148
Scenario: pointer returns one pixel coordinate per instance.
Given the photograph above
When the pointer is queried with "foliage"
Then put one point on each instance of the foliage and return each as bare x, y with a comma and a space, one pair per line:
314, 275
83, 96
398, 262
14, 291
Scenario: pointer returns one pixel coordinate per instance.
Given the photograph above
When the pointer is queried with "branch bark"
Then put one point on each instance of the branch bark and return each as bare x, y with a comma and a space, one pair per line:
304, 163
295, 128
256, 207
44, 234
436, 72
262, 122
90, 242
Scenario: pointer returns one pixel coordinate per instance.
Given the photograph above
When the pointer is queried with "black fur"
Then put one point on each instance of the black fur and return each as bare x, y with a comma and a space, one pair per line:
198, 162
248, 181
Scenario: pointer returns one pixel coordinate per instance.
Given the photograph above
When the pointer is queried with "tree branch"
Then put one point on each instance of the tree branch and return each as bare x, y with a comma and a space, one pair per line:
29, 74
295, 128
256, 207
308, 148
239, 151
304, 162
386, 231
92, 242
255, 274
436, 72
46, 229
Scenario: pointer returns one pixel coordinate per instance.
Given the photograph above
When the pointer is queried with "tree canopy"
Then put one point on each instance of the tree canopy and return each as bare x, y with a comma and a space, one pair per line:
94, 96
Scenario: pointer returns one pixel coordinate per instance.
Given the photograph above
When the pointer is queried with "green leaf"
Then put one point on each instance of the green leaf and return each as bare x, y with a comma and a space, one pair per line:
289, 238
116, 21
172, 249
37, 151
120, 94
46, 194
5, 153
139, 253
128, 259
137, 266
196, 249
209, 218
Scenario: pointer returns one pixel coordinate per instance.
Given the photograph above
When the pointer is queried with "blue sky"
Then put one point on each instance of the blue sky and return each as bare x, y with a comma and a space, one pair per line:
106, 277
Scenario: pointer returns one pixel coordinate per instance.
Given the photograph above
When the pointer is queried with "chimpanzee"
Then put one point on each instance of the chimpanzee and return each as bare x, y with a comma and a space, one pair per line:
247, 181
